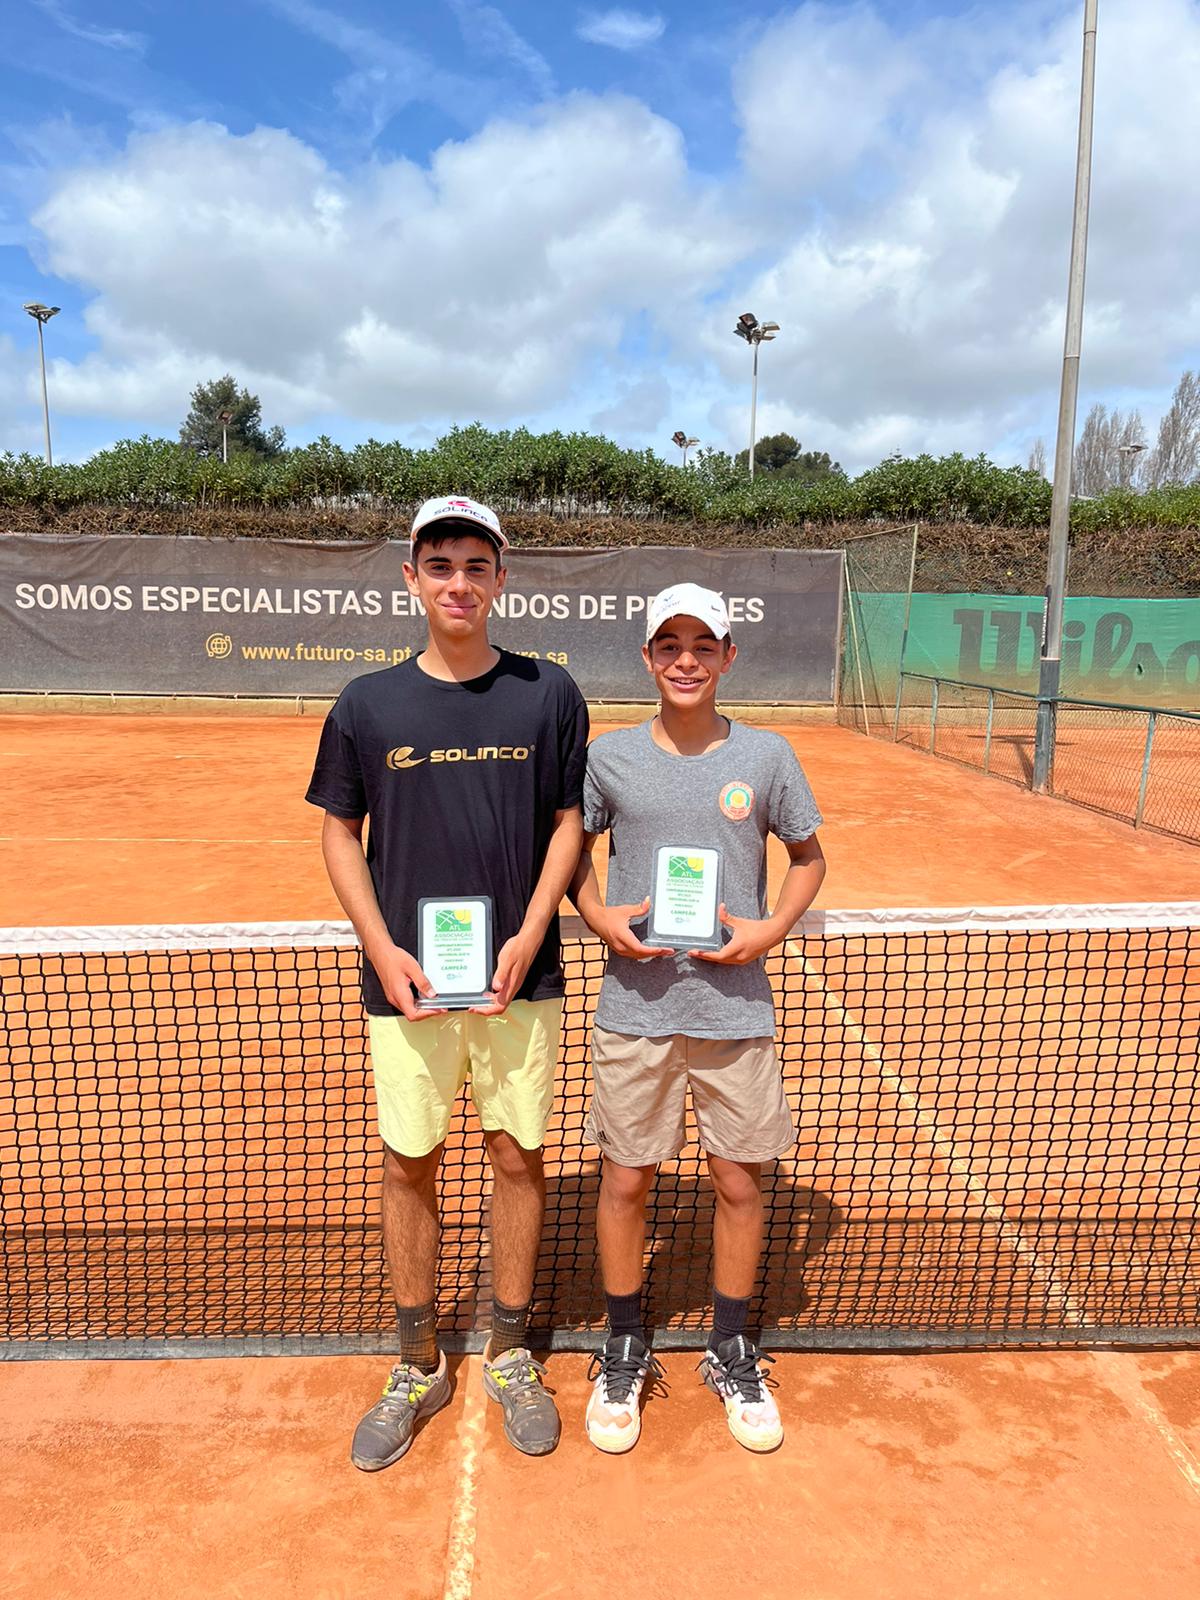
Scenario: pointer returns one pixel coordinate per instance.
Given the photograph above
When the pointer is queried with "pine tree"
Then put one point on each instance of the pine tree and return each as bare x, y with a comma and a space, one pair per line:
203, 429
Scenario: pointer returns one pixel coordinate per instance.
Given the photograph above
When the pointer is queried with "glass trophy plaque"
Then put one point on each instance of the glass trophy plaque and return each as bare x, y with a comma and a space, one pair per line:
685, 899
454, 947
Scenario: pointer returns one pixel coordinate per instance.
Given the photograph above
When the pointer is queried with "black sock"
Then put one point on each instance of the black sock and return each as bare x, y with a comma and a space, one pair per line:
625, 1315
417, 1327
510, 1328
729, 1318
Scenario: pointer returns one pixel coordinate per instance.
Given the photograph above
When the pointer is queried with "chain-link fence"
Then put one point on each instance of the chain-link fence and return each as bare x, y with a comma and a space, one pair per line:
1139, 763
990, 729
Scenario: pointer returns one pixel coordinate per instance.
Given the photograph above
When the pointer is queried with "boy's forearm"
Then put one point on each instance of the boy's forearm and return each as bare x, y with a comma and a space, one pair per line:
798, 892
585, 894
584, 888
558, 869
351, 879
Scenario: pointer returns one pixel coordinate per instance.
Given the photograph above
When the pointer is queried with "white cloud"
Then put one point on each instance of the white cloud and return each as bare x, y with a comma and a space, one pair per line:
621, 30
639, 409
489, 30
478, 286
387, 74
20, 395
106, 38
914, 242
818, 91
902, 207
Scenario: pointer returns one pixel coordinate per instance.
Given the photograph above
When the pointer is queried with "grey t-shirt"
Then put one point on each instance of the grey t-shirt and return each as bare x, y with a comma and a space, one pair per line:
728, 799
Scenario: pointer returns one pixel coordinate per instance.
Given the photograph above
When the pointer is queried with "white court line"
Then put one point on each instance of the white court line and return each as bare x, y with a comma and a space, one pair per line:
460, 1547
138, 838
1126, 1383
946, 1149
1114, 1372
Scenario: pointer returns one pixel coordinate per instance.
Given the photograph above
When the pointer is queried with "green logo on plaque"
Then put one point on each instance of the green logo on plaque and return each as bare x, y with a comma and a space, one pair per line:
456, 921
685, 867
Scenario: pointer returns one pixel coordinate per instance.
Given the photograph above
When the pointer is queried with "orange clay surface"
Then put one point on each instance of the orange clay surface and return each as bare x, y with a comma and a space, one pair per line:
202, 820
998, 1474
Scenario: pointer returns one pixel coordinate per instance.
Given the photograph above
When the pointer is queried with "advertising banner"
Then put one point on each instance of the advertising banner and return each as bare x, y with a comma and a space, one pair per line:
158, 615
1129, 651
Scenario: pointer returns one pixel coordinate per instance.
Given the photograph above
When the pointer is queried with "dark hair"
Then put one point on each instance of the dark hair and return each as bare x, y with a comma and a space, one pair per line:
439, 533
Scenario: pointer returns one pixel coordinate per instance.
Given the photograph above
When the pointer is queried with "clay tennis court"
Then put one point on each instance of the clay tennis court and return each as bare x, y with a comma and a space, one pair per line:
991, 1473
1099, 756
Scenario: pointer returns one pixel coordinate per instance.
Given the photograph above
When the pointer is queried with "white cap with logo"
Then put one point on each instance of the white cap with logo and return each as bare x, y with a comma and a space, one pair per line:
687, 600
457, 508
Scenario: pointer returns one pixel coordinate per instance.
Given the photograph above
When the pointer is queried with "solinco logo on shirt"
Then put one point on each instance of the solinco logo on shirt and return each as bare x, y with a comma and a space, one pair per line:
402, 757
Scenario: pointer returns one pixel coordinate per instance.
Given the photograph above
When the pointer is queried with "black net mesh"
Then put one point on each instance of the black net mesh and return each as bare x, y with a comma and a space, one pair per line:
999, 1142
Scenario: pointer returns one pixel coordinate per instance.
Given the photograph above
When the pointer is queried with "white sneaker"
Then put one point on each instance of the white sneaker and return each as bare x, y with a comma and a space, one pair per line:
735, 1371
618, 1372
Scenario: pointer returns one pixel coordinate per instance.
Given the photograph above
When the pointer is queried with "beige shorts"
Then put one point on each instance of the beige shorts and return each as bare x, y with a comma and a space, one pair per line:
420, 1067
639, 1098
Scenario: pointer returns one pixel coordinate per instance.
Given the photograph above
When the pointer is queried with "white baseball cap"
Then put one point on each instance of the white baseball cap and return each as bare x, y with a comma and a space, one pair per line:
687, 600
457, 508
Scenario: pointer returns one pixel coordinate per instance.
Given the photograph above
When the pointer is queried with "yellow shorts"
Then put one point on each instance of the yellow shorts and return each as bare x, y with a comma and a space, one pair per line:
420, 1067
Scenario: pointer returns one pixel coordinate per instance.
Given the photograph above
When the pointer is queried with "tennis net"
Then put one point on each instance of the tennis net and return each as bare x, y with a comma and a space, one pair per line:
999, 1143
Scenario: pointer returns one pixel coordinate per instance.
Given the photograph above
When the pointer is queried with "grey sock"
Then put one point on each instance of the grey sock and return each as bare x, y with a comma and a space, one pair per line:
510, 1328
417, 1327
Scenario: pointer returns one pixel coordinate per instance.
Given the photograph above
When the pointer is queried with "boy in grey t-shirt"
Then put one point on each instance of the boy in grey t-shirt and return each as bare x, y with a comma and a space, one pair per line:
702, 1020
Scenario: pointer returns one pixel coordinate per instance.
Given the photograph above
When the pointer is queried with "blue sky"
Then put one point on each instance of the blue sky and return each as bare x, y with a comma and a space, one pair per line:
389, 219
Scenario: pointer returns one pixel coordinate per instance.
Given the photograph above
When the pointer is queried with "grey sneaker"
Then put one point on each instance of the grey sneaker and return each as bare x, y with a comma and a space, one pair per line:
530, 1417
387, 1430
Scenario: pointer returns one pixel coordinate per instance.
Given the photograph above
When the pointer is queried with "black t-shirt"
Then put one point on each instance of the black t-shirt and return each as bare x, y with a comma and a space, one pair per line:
460, 782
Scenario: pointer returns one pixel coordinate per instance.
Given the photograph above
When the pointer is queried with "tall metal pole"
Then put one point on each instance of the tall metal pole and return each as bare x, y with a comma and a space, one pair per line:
753, 405
41, 315
45, 395
1060, 505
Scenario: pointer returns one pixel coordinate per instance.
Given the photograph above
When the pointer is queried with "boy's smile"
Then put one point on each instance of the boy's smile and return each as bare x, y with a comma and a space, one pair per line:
686, 661
457, 581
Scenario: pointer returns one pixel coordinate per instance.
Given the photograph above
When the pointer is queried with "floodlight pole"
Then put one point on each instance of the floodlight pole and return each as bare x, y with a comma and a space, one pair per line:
748, 327
45, 392
41, 315
1050, 670
684, 443
753, 407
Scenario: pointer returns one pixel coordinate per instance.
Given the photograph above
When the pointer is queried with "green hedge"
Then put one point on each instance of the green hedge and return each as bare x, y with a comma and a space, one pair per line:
573, 475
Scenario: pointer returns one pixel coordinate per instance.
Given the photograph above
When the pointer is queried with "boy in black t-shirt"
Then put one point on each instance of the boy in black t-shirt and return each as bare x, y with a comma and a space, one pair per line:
469, 762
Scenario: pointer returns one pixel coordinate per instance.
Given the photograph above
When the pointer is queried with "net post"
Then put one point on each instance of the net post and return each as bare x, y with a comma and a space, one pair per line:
899, 699
933, 711
1144, 782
